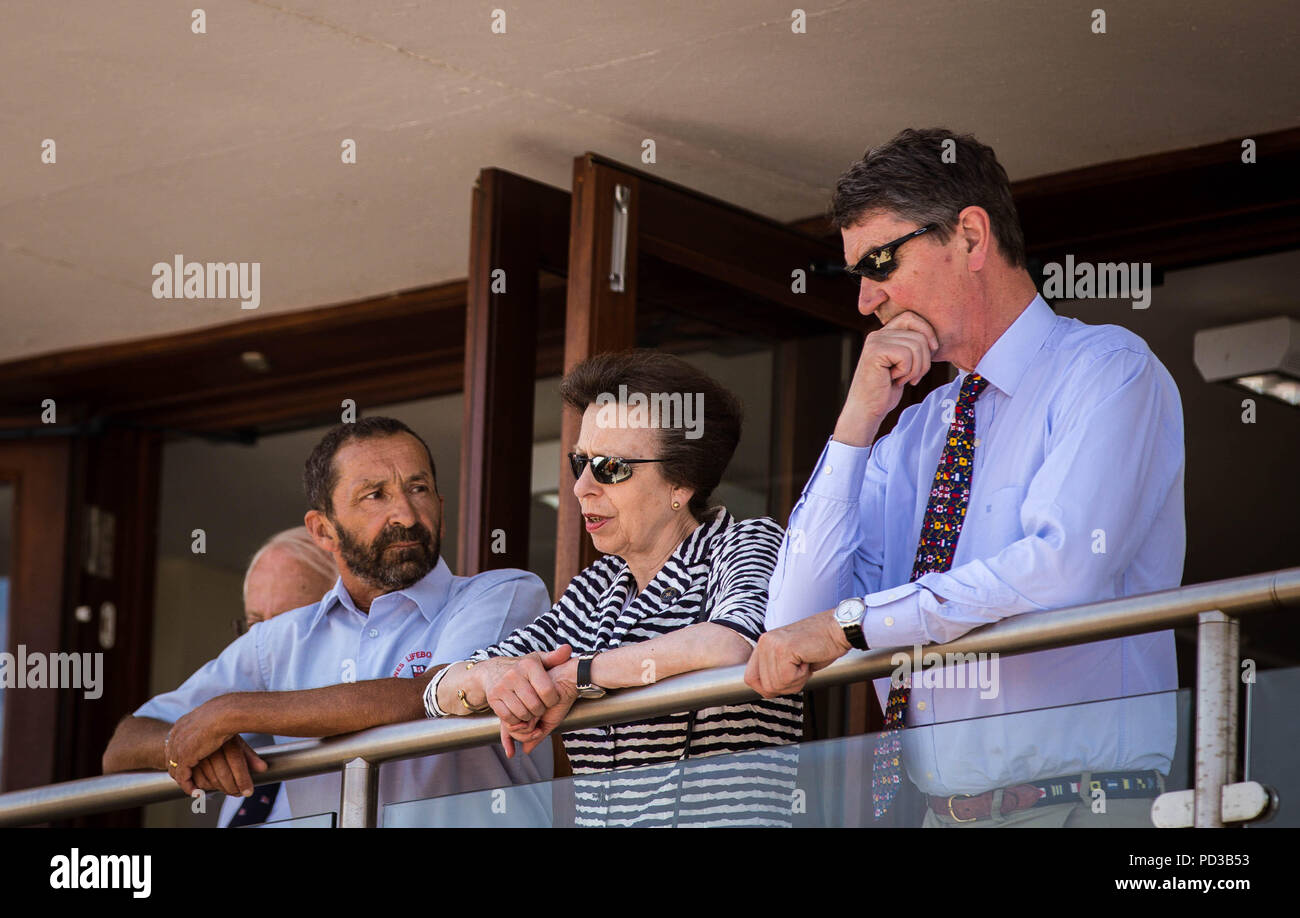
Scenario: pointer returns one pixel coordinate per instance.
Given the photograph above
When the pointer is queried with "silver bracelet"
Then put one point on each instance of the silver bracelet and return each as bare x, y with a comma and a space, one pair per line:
431, 708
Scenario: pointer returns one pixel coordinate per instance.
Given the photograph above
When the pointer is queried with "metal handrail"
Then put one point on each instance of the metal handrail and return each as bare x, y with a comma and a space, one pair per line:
690, 691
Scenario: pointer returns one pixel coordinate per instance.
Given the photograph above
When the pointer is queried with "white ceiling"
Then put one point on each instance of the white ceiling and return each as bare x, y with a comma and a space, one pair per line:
226, 146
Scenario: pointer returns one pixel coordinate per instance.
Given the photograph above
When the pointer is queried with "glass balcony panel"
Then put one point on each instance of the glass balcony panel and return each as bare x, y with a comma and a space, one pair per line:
1096, 764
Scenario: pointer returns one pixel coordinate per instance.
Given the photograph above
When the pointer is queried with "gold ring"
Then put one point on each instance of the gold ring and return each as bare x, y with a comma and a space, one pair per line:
173, 764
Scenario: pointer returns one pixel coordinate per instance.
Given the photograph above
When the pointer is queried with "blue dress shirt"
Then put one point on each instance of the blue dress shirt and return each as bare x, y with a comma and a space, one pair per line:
439, 619
1077, 497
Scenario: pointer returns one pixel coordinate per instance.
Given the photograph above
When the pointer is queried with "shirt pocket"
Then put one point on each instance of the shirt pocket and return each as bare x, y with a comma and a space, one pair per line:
998, 514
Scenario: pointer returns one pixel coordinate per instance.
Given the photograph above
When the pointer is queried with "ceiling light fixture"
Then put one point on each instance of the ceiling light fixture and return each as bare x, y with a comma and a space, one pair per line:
256, 361
1262, 357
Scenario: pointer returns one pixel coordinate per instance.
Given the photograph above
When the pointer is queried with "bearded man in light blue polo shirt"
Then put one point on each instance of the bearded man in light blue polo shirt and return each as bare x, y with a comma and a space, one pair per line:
395, 609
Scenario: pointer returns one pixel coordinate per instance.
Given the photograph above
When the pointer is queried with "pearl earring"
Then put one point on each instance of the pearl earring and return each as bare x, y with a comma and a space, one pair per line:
677, 505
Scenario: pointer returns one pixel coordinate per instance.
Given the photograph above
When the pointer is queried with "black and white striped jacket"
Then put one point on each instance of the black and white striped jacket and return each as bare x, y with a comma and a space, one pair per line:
719, 574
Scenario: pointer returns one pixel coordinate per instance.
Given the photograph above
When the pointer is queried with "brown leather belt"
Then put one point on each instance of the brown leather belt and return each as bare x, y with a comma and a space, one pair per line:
968, 809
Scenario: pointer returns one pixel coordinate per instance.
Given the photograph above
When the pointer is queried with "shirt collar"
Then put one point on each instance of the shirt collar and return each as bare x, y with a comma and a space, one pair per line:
698, 544
1005, 363
691, 551
429, 594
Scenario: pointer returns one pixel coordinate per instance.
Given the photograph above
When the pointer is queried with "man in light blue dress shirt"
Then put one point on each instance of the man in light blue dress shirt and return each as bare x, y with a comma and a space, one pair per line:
1076, 496
395, 610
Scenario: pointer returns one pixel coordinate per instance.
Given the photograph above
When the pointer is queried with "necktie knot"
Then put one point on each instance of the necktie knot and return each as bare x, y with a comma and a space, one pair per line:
971, 387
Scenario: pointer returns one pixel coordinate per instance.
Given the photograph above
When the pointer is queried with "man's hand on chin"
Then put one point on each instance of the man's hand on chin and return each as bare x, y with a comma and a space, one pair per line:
786, 657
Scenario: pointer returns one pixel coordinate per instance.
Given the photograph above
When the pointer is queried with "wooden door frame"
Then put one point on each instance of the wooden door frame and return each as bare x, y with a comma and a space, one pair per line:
38, 470
519, 228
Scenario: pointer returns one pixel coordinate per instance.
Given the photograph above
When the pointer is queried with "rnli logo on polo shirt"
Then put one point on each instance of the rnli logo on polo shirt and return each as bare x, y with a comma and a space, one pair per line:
414, 663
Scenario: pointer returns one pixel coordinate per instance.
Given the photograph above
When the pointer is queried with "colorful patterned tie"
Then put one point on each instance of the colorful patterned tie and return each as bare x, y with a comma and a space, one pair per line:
944, 513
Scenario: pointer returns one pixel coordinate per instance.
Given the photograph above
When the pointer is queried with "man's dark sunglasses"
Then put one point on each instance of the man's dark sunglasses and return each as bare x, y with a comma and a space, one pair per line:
605, 469
880, 262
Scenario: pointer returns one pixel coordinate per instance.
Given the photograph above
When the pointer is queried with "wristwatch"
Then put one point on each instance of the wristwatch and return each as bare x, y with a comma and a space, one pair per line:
587, 688
849, 616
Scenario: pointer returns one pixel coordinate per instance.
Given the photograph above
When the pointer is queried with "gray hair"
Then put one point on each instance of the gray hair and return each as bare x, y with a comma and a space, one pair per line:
910, 178
297, 542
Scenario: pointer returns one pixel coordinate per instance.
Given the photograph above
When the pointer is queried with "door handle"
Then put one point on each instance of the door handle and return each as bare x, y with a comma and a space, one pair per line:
107, 625
618, 251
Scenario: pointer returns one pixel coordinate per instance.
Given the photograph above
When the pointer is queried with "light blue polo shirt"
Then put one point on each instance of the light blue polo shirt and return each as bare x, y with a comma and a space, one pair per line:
439, 619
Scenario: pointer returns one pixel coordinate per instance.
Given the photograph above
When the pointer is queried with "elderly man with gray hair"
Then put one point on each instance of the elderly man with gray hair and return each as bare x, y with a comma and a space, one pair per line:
287, 572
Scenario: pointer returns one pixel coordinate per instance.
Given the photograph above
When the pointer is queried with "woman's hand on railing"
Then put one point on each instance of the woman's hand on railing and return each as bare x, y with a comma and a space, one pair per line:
564, 678
521, 690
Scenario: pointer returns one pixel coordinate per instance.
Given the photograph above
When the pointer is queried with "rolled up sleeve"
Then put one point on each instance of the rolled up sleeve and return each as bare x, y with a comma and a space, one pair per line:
741, 571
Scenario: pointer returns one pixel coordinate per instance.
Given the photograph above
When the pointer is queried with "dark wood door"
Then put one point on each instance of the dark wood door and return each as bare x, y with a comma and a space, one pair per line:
34, 480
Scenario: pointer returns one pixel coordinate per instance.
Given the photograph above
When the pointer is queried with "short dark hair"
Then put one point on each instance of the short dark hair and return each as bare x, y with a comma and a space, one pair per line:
689, 463
909, 177
320, 476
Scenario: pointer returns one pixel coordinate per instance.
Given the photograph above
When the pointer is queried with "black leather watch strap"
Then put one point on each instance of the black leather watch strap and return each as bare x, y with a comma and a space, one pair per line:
584, 671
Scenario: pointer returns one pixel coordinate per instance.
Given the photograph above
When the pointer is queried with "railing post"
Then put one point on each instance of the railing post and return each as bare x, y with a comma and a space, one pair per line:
1217, 643
359, 806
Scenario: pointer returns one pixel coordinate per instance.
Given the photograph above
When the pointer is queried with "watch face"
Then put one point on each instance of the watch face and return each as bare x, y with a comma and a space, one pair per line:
849, 612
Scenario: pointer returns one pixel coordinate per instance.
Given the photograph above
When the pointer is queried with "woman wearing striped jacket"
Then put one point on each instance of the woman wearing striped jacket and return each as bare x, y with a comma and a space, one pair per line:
682, 586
